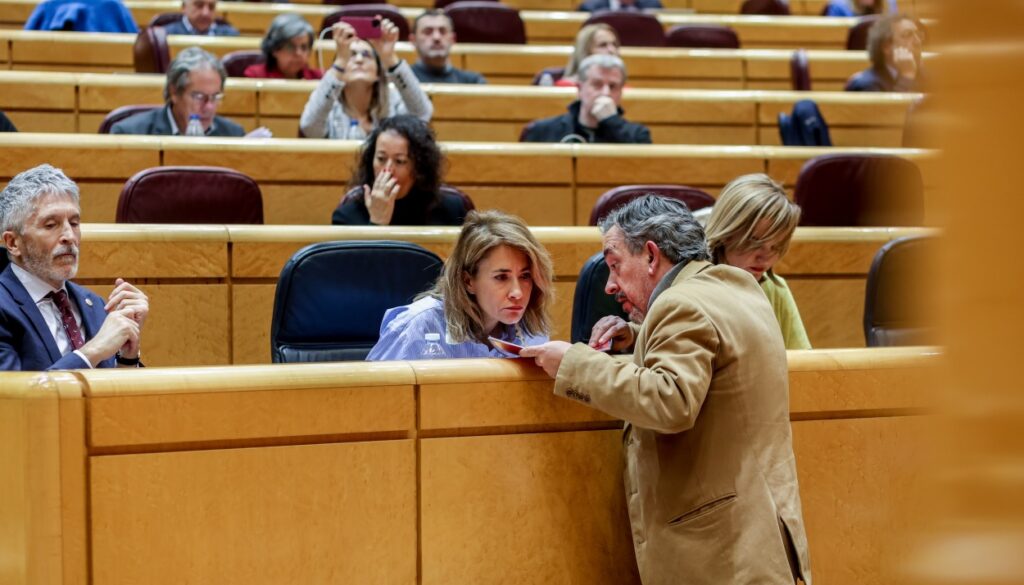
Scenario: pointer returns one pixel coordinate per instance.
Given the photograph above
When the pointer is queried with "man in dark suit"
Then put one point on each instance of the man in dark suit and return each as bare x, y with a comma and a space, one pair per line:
894, 46
595, 5
199, 17
195, 86
46, 321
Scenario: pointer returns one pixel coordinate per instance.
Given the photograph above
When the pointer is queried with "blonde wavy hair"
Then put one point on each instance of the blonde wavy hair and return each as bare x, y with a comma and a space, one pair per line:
482, 232
742, 206
582, 50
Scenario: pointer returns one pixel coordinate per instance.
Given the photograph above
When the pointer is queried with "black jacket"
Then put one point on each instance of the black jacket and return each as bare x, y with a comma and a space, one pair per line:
416, 208
5, 124
156, 123
595, 5
610, 130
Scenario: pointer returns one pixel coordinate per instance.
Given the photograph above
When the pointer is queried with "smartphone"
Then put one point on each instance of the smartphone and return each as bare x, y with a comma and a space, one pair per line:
366, 27
505, 346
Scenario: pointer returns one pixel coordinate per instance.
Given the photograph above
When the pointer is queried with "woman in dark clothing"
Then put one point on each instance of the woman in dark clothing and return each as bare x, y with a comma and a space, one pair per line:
398, 178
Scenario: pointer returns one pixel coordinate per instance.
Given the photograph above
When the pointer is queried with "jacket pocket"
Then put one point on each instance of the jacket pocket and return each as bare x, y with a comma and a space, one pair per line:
703, 509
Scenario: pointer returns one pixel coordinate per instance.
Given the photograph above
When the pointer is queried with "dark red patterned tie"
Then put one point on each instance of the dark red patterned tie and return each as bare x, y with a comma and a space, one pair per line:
60, 298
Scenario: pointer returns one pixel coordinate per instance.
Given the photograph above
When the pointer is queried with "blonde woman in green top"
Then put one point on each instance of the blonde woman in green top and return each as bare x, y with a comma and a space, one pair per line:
750, 228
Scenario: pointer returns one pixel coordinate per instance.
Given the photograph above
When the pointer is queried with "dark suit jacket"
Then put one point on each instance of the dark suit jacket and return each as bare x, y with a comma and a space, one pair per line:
872, 79
595, 5
156, 123
614, 129
26, 342
220, 29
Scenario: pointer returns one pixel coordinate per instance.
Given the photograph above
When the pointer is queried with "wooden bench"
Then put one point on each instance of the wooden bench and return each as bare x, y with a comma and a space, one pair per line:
463, 471
76, 102
501, 64
211, 288
543, 25
303, 180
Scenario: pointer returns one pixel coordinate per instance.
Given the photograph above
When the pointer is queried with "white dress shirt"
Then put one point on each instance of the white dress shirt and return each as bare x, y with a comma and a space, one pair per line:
38, 289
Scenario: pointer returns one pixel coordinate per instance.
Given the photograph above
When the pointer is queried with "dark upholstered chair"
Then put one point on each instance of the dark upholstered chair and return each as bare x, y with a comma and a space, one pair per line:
614, 198
896, 303
190, 195
236, 62
344, 3
702, 37
447, 3
151, 53
635, 29
860, 190
467, 203
124, 112
590, 302
767, 7
369, 10
800, 71
480, 21
331, 297
556, 73
857, 36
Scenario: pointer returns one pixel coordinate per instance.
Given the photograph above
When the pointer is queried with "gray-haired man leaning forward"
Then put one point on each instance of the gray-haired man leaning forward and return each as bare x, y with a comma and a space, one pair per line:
46, 321
710, 476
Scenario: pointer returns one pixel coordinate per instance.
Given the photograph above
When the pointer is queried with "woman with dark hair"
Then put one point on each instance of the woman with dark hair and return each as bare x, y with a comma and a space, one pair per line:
286, 50
397, 179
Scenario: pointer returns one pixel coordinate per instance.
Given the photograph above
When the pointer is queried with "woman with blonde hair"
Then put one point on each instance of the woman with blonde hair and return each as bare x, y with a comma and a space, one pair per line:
592, 39
497, 282
366, 83
750, 227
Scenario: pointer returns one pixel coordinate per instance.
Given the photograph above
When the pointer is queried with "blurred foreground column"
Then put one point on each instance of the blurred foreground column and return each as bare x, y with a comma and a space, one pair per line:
975, 530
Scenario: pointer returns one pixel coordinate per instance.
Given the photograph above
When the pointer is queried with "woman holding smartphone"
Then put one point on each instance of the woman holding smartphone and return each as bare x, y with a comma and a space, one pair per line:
496, 283
366, 83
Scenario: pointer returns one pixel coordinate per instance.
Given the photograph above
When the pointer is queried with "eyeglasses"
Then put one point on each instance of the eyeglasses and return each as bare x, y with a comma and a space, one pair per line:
290, 47
364, 53
203, 99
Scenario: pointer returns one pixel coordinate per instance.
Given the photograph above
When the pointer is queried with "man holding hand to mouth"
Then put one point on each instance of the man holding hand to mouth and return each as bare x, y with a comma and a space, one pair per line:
46, 321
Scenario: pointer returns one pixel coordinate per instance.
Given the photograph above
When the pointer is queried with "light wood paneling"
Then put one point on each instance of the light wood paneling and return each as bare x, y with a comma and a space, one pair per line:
251, 317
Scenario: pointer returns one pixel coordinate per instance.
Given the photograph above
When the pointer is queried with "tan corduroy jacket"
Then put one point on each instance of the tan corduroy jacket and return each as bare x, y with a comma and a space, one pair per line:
710, 474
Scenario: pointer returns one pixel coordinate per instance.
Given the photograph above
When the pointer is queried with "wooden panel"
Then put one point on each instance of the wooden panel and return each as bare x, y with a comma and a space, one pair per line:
187, 324
26, 121
252, 308
42, 92
536, 205
552, 510
473, 163
282, 160
120, 158
300, 204
630, 164
832, 310
99, 200
299, 514
106, 256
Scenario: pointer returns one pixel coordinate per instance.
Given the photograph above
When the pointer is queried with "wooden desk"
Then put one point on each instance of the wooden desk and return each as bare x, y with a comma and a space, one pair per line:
501, 64
211, 288
303, 180
77, 102
460, 471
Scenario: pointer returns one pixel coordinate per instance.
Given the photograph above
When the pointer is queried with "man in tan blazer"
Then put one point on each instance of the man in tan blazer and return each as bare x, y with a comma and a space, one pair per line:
710, 476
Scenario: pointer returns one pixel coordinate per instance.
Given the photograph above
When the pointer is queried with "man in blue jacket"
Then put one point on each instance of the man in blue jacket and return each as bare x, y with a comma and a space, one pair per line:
199, 17
596, 5
46, 321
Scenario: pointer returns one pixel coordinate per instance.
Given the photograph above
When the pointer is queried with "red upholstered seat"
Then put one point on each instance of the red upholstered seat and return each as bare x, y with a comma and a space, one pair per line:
446, 3
702, 36
369, 10
481, 21
190, 195
236, 62
857, 36
123, 112
614, 198
767, 7
860, 190
800, 71
635, 29
150, 53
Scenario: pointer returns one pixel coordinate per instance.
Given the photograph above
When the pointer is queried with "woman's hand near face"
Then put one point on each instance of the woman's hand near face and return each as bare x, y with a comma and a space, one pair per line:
380, 199
385, 45
344, 34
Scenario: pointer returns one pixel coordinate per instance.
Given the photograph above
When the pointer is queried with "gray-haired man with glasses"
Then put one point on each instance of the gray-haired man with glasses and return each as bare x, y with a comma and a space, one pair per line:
195, 86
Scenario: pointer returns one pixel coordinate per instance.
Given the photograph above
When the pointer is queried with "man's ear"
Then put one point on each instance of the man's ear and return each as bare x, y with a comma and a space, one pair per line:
12, 243
653, 256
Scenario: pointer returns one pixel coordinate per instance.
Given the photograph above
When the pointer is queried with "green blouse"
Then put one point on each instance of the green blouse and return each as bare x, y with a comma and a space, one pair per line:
786, 312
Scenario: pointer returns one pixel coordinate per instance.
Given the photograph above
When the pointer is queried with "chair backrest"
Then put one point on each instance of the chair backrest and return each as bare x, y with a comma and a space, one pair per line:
385, 10
467, 203
800, 71
190, 195
151, 53
614, 198
590, 302
555, 73
635, 29
860, 190
857, 36
898, 292
767, 7
447, 3
236, 62
481, 21
707, 36
123, 112
341, 3
331, 297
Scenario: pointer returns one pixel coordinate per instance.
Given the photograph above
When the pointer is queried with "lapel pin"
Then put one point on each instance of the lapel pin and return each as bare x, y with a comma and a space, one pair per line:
88, 302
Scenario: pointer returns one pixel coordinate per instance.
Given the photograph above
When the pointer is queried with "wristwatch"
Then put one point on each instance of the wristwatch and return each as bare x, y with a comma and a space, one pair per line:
129, 361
